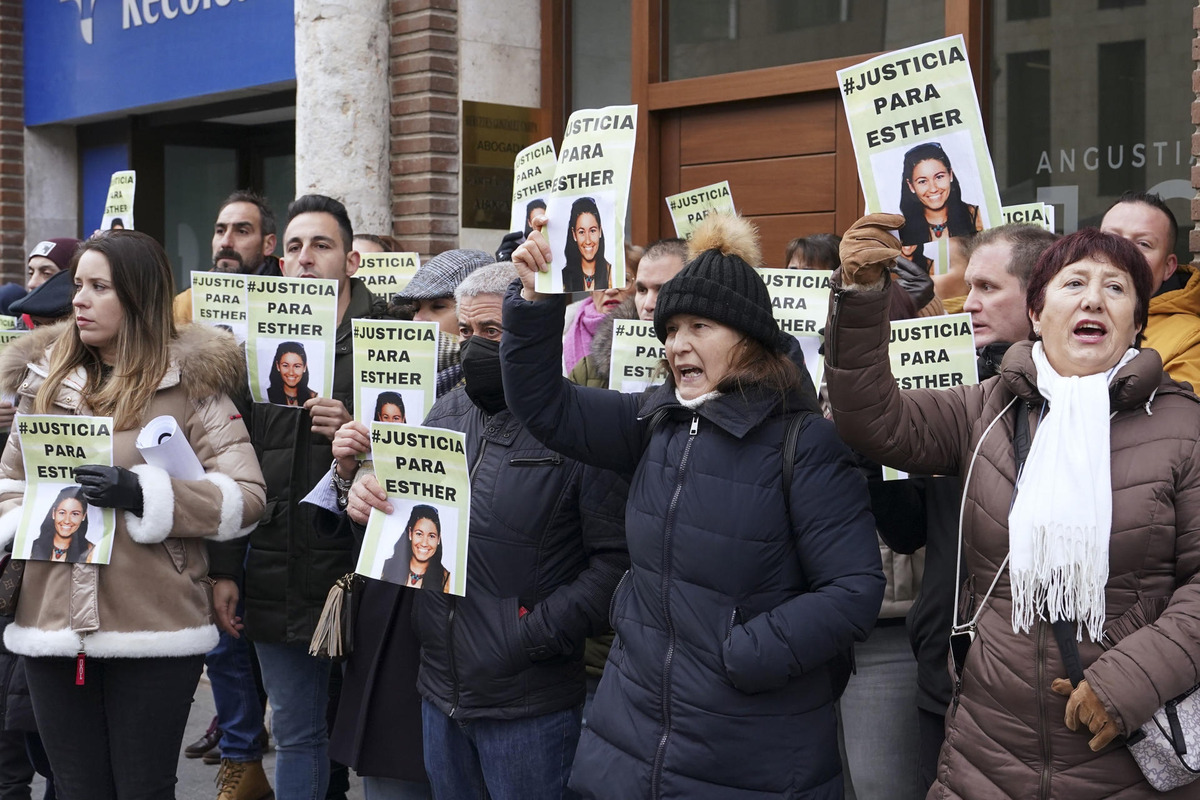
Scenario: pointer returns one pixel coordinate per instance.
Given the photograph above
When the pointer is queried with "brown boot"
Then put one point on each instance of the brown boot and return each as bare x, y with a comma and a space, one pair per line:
243, 780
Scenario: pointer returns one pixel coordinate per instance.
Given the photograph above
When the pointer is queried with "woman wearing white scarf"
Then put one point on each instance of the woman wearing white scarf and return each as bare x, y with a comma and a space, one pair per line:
1102, 529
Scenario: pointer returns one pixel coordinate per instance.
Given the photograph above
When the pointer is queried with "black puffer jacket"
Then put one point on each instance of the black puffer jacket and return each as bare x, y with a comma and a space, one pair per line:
717, 686
292, 563
546, 536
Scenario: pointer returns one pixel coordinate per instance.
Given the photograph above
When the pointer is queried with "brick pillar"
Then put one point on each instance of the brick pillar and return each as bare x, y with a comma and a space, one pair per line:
425, 119
12, 143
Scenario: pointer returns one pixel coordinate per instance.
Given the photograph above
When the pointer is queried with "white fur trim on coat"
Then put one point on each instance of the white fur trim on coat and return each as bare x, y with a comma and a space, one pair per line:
9, 524
158, 506
230, 526
10, 486
110, 644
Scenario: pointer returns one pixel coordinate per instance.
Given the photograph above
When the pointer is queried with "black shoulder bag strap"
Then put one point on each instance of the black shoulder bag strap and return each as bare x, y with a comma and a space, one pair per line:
1064, 630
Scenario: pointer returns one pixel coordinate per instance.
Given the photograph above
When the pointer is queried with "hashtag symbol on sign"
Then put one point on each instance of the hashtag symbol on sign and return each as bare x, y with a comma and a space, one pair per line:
374, 434
848, 86
22, 428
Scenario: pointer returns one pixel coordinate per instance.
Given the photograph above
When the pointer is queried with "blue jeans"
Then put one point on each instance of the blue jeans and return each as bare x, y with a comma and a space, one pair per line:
298, 689
235, 695
394, 789
879, 718
504, 759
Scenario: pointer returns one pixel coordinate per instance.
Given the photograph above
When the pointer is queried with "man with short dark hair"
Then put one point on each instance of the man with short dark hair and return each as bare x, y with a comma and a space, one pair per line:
661, 261
289, 565
1173, 328
243, 241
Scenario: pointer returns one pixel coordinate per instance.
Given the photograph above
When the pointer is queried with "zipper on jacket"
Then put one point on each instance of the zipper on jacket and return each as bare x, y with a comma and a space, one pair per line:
450, 656
612, 602
80, 663
547, 461
734, 619
831, 329
478, 459
1043, 728
661, 754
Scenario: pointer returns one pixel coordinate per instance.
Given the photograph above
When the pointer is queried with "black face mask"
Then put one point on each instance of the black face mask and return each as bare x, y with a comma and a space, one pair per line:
481, 369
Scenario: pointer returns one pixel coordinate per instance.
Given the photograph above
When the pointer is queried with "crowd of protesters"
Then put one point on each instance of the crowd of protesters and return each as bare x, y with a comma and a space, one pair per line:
704, 590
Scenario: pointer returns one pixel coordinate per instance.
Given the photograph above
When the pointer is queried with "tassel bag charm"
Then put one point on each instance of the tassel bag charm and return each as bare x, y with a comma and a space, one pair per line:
334, 635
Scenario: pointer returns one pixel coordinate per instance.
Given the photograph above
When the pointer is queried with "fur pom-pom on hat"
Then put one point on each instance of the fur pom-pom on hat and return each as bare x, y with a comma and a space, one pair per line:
719, 282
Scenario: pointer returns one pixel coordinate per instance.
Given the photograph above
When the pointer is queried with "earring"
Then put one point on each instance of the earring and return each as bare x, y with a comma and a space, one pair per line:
1037, 330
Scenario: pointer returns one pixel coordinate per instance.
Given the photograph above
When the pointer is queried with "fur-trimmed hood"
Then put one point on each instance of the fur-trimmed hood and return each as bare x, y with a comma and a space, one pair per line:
205, 360
601, 346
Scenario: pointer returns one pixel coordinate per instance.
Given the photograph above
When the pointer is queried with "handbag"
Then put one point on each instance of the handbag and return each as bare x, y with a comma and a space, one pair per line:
334, 634
1167, 748
12, 571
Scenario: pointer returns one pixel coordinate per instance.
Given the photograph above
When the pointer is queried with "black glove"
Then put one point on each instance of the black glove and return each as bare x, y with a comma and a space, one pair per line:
110, 487
915, 280
508, 244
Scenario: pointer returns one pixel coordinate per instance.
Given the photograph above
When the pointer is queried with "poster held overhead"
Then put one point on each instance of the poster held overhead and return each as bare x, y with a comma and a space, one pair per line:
57, 522
423, 543
533, 177
292, 330
919, 139
587, 206
800, 304
118, 206
1039, 214
689, 209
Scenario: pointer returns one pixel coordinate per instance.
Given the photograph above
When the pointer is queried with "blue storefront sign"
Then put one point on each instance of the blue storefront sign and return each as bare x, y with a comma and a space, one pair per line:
85, 58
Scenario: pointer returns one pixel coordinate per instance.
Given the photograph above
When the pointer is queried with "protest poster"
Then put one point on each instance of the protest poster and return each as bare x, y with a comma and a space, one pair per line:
1039, 214
7, 322
919, 139
588, 202
386, 274
636, 353
8, 335
395, 370
932, 353
800, 303
424, 473
289, 346
220, 299
688, 209
533, 177
57, 522
118, 206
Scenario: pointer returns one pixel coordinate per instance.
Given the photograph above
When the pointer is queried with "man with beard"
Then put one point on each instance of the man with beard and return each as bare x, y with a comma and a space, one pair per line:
243, 241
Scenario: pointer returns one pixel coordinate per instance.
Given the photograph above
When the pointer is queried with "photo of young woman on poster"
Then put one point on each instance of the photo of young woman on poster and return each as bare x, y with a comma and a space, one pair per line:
389, 407
63, 535
931, 200
288, 383
418, 553
586, 267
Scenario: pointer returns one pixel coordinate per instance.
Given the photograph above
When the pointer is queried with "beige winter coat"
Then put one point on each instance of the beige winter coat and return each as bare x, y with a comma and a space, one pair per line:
154, 598
1007, 738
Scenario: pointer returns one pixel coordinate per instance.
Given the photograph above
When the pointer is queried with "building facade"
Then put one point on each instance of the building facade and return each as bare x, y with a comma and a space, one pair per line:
411, 110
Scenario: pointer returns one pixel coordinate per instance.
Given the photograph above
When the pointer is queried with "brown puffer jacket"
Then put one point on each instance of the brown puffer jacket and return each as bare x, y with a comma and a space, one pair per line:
154, 597
1007, 738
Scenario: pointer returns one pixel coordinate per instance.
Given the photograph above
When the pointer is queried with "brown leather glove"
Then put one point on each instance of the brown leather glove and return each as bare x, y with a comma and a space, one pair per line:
1083, 706
869, 248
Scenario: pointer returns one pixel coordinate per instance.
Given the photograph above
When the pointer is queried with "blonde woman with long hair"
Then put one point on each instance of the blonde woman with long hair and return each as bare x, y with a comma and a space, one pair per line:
113, 652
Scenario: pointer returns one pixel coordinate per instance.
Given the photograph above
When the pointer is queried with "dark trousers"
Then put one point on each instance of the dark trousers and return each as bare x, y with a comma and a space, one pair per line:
933, 733
118, 735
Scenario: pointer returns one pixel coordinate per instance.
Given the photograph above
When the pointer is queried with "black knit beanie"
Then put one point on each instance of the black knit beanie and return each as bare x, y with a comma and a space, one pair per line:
719, 285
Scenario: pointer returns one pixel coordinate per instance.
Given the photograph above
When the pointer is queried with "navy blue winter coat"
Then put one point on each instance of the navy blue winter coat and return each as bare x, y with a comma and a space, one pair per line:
717, 684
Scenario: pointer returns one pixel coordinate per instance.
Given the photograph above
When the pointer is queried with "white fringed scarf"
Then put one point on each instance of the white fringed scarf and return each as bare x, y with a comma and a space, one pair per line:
1060, 523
